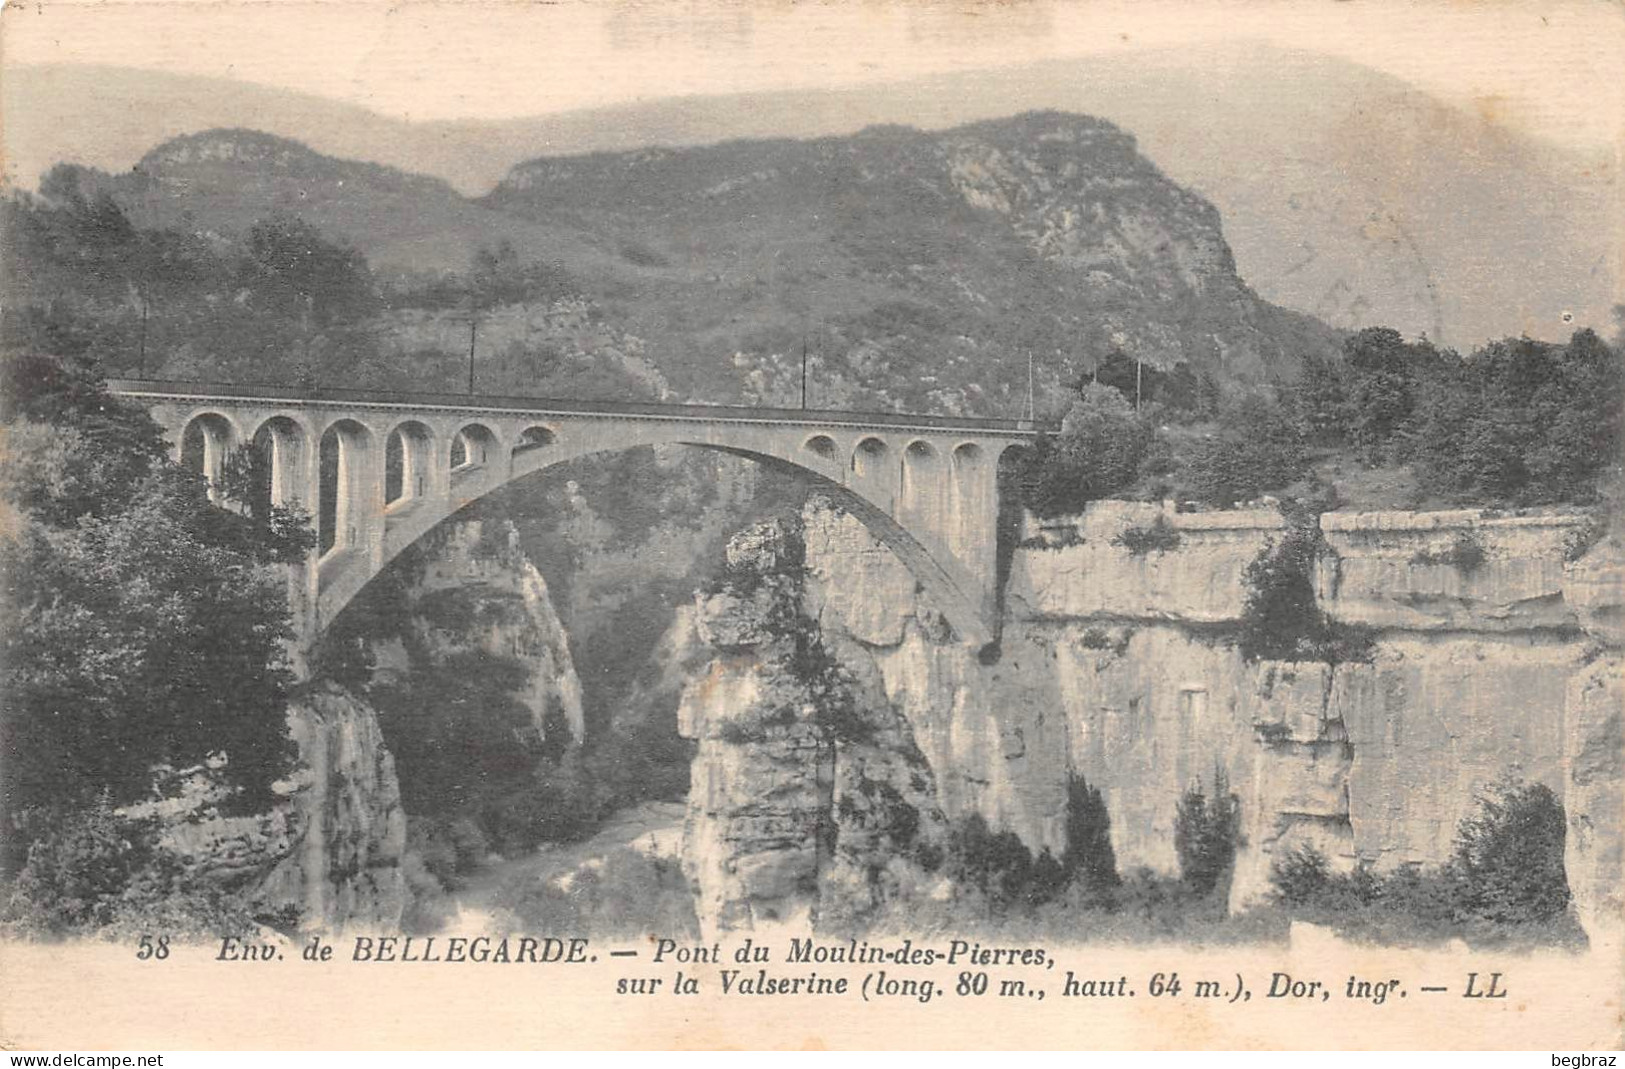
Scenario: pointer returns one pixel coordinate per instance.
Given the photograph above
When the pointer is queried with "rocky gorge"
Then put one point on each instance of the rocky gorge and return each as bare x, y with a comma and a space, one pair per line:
333, 851
841, 732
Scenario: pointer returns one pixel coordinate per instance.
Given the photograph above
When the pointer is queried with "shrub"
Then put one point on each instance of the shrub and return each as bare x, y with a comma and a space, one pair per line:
1259, 448
998, 864
428, 907
1281, 620
1504, 883
1465, 554
1509, 856
1578, 542
428, 844
1096, 638
78, 867
1160, 536
1206, 834
1300, 876
95, 871
1053, 538
1088, 857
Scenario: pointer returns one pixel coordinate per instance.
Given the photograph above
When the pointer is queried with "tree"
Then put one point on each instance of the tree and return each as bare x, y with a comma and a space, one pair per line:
147, 623
1281, 619
1523, 422
1381, 389
1508, 861
1259, 447
1206, 834
1088, 855
1098, 453
292, 265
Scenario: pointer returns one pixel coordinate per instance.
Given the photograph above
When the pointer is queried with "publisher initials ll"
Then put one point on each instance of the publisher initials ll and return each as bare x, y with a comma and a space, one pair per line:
1493, 991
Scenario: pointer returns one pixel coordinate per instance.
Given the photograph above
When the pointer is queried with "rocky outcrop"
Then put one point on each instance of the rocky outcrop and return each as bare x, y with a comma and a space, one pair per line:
471, 588
1459, 571
328, 853
1594, 744
1076, 567
345, 869
809, 796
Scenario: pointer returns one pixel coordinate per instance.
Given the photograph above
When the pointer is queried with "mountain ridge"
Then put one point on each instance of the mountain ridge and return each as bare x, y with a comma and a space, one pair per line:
1346, 193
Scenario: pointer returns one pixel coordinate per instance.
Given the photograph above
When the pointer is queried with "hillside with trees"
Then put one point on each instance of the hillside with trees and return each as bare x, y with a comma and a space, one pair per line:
1383, 423
916, 271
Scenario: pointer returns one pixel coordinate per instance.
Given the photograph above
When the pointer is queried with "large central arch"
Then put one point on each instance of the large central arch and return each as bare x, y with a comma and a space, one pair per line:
947, 587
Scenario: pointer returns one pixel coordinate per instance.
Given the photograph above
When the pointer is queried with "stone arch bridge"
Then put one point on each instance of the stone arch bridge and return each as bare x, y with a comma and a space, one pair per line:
401, 463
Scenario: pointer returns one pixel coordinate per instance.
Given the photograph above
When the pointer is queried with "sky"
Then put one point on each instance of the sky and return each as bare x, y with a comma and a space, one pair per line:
1551, 69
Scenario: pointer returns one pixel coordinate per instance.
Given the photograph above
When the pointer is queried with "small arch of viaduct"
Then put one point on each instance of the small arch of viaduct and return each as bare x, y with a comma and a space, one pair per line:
401, 464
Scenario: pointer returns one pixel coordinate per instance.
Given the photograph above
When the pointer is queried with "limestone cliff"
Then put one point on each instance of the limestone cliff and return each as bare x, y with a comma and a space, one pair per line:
470, 587
345, 869
1493, 655
328, 853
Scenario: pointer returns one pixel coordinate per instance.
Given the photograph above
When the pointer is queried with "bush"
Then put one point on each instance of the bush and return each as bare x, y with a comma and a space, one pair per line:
428, 843
1281, 620
1578, 542
997, 864
1088, 858
78, 868
1096, 638
1206, 835
1259, 447
1300, 876
1509, 856
95, 871
1504, 883
1160, 536
1465, 554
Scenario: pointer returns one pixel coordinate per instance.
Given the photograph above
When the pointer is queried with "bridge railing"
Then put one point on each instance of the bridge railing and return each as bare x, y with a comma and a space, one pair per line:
509, 403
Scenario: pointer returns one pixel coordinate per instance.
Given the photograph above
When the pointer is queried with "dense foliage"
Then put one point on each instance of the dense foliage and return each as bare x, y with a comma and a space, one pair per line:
1505, 880
146, 629
88, 273
147, 623
97, 870
1523, 422
1281, 618
1088, 856
1206, 834
1516, 423
1098, 453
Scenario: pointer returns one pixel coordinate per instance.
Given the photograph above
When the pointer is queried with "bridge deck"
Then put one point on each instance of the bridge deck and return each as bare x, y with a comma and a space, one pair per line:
465, 402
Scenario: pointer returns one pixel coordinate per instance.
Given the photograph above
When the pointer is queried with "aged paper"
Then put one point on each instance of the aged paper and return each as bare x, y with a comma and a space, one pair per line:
769, 525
